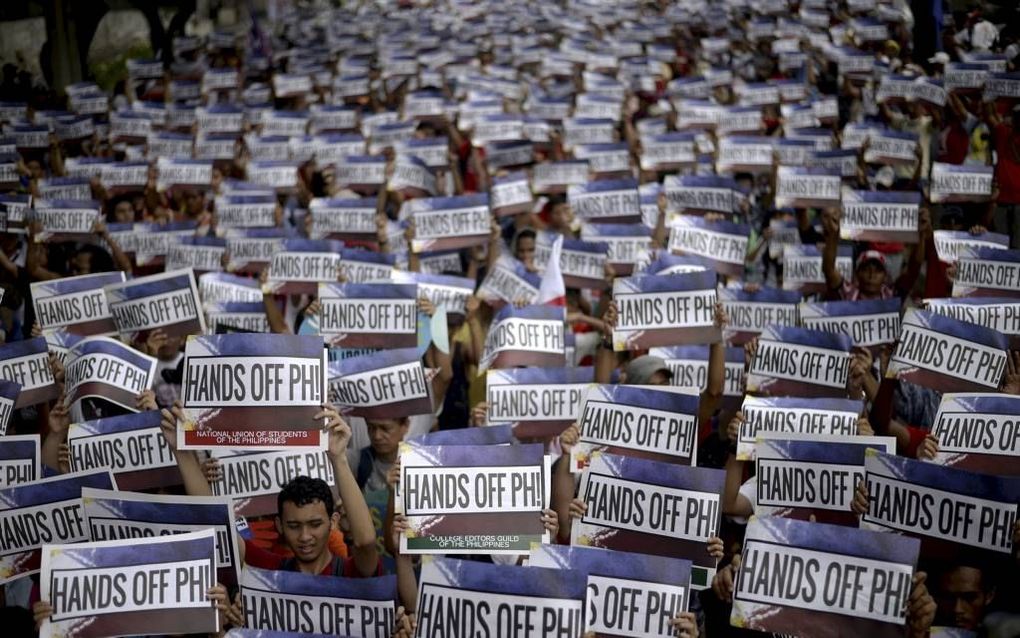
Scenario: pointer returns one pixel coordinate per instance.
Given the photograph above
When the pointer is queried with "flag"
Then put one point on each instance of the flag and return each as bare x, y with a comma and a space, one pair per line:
551, 290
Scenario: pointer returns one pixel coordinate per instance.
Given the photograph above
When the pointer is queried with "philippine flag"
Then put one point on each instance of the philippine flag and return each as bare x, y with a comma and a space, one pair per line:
551, 290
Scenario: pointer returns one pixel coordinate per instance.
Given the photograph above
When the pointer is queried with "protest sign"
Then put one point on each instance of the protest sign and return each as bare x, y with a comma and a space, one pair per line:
979, 432
448, 291
384, 385
989, 272
636, 421
64, 220
960, 183
132, 446
800, 362
468, 499
649, 507
216, 287
411, 177
301, 265
804, 186
64, 188
123, 515
626, 243
75, 304
689, 367
607, 200
360, 266
280, 175
236, 316
880, 216
628, 594
168, 301
369, 315
722, 243
489, 435
113, 588
835, 417
606, 160
997, 313
249, 250
345, 219
868, 322
15, 209
582, 263
557, 177
291, 601
509, 281
45, 511
150, 243
459, 597
528, 336
658, 310
537, 402
448, 223
9, 391
252, 391
19, 459
802, 267
104, 368
836, 580
891, 147
813, 478
244, 210
943, 506
27, 363
951, 244
752, 154
362, 173
948, 355
700, 193
253, 480
749, 312
511, 195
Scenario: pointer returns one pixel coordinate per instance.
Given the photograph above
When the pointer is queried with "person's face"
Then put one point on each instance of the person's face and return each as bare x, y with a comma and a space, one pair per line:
35, 169
123, 212
870, 277
193, 200
561, 216
961, 598
305, 529
385, 435
526, 250
81, 264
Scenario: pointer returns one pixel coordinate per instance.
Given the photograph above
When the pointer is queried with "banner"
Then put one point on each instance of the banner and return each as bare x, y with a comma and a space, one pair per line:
449, 223
800, 362
636, 422
607, 200
473, 499
27, 363
528, 336
385, 385
996, 313
943, 506
301, 265
253, 480
947, 355
113, 588
168, 301
632, 595
104, 368
750, 313
19, 460
960, 183
662, 310
465, 598
537, 402
75, 304
979, 432
836, 580
987, 272
131, 446
648, 507
39, 513
305, 604
252, 391
880, 216
832, 417
124, 515
868, 322
951, 244
369, 315
802, 267
722, 243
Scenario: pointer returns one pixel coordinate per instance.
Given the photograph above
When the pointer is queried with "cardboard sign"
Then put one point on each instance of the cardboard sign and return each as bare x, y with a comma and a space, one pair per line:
123, 515
537, 402
448, 291
960, 183
131, 446
75, 304
880, 216
201, 254
302, 265
868, 322
322, 606
252, 249
948, 355
384, 385
27, 363
65, 220
606, 160
951, 244
979, 432
528, 336
19, 460
455, 497
252, 391
667, 151
987, 272
636, 422
168, 301
625, 243
752, 154
787, 416
240, 210
369, 315
800, 362
606, 201
655, 508
96, 588
582, 263
218, 287
750, 312
511, 195
544, 601
233, 316
689, 367
104, 368
806, 187
997, 313
343, 218
509, 282
658, 310
722, 243
791, 574
254, 480
448, 223
52, 509
802, 267
700, 193
557, 177
943, 506
360, 266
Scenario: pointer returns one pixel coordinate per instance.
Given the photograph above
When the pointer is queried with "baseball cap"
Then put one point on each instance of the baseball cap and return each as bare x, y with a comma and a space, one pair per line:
870, 255
641, 370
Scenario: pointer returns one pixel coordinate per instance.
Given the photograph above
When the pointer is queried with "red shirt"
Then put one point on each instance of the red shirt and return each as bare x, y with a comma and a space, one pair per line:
263, 559
1007, 169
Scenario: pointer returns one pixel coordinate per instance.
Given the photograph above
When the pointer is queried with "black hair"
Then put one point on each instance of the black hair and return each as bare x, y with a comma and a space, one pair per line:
303, 490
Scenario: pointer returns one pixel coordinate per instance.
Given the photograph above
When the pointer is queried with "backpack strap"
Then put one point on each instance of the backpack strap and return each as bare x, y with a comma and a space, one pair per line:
338, 566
